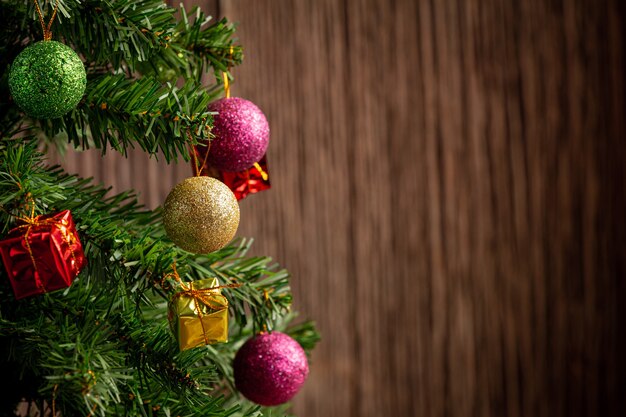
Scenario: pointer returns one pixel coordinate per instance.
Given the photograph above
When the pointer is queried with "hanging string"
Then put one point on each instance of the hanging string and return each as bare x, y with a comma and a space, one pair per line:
197, 168
225, 74
47, 32
226, 84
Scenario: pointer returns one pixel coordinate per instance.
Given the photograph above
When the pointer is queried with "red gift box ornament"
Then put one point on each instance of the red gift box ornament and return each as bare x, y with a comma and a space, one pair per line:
42, 255
249, 181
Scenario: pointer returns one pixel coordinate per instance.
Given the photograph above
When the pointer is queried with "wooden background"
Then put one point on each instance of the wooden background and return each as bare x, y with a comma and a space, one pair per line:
448, 195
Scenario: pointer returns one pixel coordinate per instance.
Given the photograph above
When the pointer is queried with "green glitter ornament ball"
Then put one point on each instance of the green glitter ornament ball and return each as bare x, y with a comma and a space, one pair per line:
47, 80
201, 215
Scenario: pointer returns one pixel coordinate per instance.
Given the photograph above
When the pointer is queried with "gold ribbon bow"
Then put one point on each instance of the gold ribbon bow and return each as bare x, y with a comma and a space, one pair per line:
210, 297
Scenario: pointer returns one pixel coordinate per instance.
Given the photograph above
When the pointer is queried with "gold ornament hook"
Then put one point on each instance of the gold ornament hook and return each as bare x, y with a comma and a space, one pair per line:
47, 32
225, 74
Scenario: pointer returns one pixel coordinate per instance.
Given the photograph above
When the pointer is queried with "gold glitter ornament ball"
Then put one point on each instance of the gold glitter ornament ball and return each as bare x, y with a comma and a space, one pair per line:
201, 215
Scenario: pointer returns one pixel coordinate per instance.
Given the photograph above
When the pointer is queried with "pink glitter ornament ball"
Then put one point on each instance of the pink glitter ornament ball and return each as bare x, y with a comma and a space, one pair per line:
270, 368
241, 134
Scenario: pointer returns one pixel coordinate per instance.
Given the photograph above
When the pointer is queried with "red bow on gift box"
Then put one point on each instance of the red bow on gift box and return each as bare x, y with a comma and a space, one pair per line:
250, 181
241, 183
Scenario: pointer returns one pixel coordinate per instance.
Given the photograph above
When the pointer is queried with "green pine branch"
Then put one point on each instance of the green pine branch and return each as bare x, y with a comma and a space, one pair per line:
121, 109
103, 346
103, 343
118, 34
195, 47
121, 113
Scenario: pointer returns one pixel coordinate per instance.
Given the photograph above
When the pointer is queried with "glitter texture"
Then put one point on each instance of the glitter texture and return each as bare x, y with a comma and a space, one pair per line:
241, 134
270, 368
201, 215
47, 80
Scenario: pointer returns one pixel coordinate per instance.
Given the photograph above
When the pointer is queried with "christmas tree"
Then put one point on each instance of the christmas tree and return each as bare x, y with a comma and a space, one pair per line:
102, 310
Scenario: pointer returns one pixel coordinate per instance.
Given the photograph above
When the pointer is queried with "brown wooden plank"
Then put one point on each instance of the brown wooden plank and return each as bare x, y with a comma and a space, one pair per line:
304, 221
448, 193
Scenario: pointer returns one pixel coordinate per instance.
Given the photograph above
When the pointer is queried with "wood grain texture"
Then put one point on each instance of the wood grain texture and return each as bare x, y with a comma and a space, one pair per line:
448, 193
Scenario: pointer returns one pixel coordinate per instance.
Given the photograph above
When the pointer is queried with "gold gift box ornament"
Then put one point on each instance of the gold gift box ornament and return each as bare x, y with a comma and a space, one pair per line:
198, 314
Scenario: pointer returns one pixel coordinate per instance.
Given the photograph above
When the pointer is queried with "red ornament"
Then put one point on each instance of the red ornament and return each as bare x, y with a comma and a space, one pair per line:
241, 183
42, 255
250, 181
